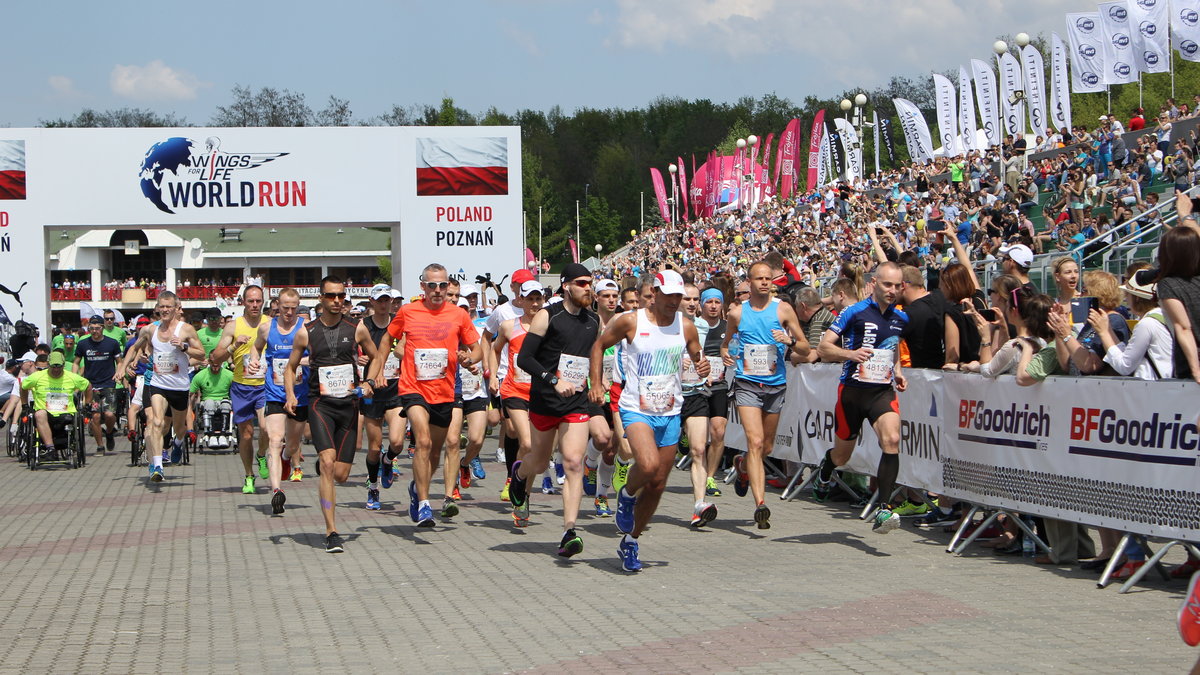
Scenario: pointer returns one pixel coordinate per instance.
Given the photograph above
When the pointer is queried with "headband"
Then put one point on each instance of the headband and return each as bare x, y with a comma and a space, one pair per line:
710, 293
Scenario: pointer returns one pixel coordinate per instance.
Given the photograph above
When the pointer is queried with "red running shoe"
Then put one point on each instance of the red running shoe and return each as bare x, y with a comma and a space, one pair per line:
1189, 614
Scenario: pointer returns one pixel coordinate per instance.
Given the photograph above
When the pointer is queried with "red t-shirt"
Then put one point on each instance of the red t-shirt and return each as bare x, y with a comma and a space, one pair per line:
1135, 123
431, 345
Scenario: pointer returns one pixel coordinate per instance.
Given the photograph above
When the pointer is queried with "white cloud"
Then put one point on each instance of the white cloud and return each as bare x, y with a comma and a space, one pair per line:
524, 39
154, 81
63, 86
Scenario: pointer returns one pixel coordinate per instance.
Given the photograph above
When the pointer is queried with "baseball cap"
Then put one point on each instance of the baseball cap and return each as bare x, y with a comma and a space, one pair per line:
29, 356
1104, 118
607, 285
467, 289
669, 282
521, 276
1019, 253
1141, 285
57, 359
573, 271
143, 321
530, 287
96, 318
11, 363
462, 302
382, 291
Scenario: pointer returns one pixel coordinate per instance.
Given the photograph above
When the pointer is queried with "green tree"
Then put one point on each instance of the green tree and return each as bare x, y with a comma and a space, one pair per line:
125, 118
599, 224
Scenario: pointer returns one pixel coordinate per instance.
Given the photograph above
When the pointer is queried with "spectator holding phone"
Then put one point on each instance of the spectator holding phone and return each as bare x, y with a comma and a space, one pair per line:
1084, 355
1030, 313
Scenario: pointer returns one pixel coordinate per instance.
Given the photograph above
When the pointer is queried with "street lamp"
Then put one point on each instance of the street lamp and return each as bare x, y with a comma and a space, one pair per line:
752, 143
674, 197
859, 121
599, 247
1022, 39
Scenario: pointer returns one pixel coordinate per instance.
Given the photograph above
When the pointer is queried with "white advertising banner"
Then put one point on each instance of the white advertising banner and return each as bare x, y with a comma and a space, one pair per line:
1148, 21
966, 111
1060, 88
1010, 81
947, 114
848, 137
1035, 88
1087, 52
985, 94
916, 131
1118, 43
1185, 28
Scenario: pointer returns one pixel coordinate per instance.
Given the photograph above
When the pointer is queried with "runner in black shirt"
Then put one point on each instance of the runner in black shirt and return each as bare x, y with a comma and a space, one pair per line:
556, 352
99, 355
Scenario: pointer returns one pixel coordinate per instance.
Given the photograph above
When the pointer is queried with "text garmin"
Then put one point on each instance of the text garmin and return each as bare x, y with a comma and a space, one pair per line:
206, 178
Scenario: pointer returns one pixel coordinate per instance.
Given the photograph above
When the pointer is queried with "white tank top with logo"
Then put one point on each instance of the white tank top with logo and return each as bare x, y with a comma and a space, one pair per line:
169, 364
653, 365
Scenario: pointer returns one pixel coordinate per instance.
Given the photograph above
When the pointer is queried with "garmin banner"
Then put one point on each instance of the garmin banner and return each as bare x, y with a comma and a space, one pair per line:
889, 140
1087, 52
916, 131
1060, 90
1035, 88
985, 94
836, 150
1185, 28
1107, 452
1118, 43
1148, 24
947, 111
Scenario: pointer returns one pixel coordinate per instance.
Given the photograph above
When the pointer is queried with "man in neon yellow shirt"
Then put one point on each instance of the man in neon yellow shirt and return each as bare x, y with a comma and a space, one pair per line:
54, 394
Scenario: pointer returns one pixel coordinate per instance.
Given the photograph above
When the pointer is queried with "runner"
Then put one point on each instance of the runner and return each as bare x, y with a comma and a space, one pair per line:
385, 404
711, 328
168, 344
766, 329
432, 330
135, 383
866, 336
513, 388
470, 398
509, 441
598, 465
96, 357
695, 411
277, 337
248, 393
331, 342
651, 401
556, 353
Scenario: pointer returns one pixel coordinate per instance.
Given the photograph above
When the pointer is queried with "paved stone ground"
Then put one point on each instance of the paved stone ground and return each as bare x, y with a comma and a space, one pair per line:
105, 573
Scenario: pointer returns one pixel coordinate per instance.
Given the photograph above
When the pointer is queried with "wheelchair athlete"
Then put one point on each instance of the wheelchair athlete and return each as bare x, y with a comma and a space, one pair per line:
54, 398
211, 386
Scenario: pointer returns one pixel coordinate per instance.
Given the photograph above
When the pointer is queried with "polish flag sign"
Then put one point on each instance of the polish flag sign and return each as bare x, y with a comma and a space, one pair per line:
462, 166
12, 169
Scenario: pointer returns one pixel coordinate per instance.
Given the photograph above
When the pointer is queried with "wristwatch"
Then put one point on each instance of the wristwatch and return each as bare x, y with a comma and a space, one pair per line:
370, 382
553, 380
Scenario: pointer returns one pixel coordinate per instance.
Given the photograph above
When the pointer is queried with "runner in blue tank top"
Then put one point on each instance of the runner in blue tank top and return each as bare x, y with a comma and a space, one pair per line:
866, 337
273, 347
766, 330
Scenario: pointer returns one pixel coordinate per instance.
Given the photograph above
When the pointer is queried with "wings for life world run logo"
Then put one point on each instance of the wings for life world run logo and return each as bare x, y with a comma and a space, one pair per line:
179, 173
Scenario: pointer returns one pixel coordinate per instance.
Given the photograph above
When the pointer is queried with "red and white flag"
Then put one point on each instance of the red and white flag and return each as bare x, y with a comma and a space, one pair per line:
12, 169
462, 166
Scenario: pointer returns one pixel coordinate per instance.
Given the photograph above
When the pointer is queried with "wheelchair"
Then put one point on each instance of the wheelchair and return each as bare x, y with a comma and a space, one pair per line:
67, 443
214, 430
138, 448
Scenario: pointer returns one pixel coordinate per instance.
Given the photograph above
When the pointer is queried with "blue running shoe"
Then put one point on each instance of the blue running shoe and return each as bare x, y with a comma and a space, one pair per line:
156, 474
477, 469
560, 472
625, 505
373, 500
627, 551
424, 517
589, 480
548, 487
386, 475
412, 500
176, 452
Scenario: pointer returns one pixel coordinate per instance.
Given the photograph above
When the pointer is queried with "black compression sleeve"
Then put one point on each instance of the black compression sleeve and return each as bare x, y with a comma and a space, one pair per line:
526, 360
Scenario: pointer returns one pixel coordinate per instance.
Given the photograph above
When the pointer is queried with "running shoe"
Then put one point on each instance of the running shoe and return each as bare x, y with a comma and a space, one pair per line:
936, 518
156, 474
521, 516
412, 500
464, 476
518, 491
627, 551
373, 500
589, 480
477, 469
297, 475
396, 466
560, 473
424, 517
99, 450
548, 487
742, 485
910, 509
1189, 614
177, 453
703, 514
456, 495
277, 501
625, 505
762, 517
333, 543
248, 485
386, 475
263, 472
821, 489
1185, 569
108, 440
711, 489
620, 476
449, 508
885, 521
1127, 570
166, 458
602, 510
570, 545
504, 490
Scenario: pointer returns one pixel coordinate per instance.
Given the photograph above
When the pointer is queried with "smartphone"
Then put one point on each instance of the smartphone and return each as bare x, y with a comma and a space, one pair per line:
879, 231
1080, 307
989, 314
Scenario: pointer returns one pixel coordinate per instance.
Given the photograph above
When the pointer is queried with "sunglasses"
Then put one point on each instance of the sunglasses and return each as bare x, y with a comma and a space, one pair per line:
334, 296
582, 283
435, 285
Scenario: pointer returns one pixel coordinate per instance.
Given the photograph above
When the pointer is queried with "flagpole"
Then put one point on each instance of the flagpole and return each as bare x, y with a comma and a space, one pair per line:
540, 258
1171, 59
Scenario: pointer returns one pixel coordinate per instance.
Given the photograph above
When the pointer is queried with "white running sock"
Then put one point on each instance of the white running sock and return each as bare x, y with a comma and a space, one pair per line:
424, 502
156, 461
593, 454
604, 476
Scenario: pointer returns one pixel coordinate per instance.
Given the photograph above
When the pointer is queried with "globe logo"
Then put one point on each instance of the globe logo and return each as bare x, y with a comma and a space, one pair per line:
1090, 78
1085, 24
1150, 58
1189, 16
1189, 47
1117, 14
169, 155
1147, 4
1120, 40
1087, 51
1121, 69
1147, 28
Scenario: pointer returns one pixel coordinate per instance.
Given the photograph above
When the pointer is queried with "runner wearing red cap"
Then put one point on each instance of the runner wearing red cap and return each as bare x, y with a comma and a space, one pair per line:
507, 311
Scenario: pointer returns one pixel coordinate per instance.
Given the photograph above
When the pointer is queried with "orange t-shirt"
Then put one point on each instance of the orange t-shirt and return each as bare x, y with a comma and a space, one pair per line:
431, 345
516, 382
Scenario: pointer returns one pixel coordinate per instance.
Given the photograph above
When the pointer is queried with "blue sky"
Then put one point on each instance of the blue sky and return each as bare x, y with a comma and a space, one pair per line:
185, 57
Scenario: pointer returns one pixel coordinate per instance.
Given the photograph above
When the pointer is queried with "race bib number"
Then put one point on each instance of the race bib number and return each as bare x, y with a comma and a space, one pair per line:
690, 376
716, 366
431, 364
657, 394
246, 367
391, 368
471, 382
56, 402
573, 369
336, 381
759, 360
610, 369
878, 368
519, 376
165, 363
278, 368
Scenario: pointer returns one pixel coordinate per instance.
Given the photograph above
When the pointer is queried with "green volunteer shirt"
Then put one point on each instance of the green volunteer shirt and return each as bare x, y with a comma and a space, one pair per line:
212, 386
117, 333
209, 339
54, 395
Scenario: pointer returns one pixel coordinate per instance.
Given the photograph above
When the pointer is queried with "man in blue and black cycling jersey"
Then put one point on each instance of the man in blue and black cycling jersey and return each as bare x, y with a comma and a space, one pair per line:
866, 337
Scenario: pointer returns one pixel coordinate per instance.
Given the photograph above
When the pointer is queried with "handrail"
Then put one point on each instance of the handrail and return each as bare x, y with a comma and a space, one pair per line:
1133, 235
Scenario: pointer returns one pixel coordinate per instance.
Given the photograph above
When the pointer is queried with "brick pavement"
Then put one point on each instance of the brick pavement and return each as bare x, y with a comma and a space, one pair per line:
108, 574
